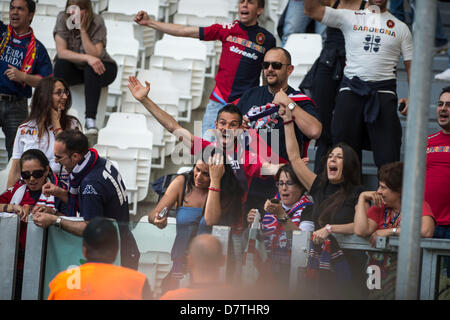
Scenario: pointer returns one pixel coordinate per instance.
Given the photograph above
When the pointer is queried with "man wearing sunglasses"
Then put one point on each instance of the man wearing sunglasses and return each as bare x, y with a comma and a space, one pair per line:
437, 176
96, 189
276, 70
244, 44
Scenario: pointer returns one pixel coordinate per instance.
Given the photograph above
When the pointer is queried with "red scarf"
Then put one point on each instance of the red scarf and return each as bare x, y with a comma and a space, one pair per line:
30, 56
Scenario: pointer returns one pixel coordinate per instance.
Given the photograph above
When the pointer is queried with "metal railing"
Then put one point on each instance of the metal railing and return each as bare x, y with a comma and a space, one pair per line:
36, 247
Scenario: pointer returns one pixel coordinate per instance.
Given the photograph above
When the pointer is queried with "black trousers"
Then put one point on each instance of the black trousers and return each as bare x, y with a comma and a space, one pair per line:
93, 83
384, 135
324, 92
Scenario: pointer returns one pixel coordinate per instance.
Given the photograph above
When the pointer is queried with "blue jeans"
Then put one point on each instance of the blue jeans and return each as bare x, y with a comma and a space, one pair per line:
443, 232
297, 22
210, 117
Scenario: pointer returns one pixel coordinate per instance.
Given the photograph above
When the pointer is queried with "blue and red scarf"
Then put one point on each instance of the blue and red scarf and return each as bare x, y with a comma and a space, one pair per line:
77, 175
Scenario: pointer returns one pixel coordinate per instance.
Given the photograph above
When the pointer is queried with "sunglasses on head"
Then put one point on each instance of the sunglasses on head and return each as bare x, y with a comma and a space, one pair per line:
275, 65
35, 174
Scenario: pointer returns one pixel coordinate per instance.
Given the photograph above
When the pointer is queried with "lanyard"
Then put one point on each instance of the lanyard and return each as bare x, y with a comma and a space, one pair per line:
385, 225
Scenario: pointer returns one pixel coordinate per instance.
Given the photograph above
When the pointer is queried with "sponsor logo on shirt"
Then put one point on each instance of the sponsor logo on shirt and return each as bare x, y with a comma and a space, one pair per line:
438, 149
260, 38
89, 189
31, 132
390, 24
248, 43
374, 30
243, 53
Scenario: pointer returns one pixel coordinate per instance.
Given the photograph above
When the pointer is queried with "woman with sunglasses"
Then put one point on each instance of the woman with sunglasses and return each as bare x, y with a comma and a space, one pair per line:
48, 117
290, 210
81, 55
25, 194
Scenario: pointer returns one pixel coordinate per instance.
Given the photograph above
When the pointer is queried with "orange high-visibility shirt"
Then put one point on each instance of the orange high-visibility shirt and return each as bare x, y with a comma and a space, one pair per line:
97, 281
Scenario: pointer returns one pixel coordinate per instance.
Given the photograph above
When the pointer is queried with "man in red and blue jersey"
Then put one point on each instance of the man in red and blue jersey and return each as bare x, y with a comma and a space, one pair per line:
244, 44
23, 62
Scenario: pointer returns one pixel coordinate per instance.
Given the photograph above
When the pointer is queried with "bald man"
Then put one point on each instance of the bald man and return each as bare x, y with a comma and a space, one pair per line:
204, 261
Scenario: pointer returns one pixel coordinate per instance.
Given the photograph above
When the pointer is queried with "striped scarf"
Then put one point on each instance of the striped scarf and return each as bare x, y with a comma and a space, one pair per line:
30, 56
42, 201
76, 176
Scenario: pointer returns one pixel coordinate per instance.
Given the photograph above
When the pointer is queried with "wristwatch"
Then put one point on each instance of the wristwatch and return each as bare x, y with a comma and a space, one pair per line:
394, 231
292, 105
58, 222
284, 219
328, 228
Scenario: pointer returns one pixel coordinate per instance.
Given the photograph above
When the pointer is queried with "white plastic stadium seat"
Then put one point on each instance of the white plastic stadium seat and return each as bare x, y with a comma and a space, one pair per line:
182, 55
126, 140
79, 105
304, 49
43, 29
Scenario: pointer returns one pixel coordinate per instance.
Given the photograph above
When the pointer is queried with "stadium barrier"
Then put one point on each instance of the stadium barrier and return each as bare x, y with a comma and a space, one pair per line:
51, 251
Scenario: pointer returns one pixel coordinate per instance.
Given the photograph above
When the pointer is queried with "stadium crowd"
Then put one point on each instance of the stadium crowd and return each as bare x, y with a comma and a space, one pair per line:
347, 103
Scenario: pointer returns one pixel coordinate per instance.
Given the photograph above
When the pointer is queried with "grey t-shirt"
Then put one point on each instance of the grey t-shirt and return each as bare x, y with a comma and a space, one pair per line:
96, 32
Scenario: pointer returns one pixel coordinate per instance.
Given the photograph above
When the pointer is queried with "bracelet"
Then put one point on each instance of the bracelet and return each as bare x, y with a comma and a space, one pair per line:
289, 121
55, 131
214, 189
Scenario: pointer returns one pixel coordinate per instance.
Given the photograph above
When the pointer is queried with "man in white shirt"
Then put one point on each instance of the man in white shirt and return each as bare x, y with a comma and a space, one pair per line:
366, 107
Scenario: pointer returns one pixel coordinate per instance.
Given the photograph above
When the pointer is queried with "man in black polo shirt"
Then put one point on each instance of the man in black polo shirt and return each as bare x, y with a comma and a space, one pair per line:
23, 62
254, 104
96, 189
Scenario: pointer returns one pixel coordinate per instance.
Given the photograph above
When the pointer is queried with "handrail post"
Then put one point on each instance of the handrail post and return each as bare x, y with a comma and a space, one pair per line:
407, 286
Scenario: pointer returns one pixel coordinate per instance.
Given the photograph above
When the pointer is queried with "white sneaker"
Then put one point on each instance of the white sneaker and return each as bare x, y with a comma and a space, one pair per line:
443, 76
90, 127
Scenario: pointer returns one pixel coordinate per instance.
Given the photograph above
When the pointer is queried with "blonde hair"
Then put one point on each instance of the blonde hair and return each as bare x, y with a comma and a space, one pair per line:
83, 4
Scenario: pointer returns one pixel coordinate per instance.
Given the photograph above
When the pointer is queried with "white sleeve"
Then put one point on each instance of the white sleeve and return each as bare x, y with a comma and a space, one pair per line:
18, 146
407, 45
334, 18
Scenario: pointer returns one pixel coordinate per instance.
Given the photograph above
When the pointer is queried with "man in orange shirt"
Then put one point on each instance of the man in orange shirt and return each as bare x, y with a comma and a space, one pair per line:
99, 279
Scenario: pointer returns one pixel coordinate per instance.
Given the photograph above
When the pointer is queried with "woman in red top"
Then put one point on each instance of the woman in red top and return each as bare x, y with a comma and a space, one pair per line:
26, 193
382, 219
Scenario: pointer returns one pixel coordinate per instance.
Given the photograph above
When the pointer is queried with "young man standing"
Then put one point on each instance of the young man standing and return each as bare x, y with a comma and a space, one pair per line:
244, 44
23, 62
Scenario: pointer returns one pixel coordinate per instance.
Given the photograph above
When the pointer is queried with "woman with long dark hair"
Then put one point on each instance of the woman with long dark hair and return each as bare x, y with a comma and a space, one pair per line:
336, 273
48, 117
206, 196
26, 193
82, 57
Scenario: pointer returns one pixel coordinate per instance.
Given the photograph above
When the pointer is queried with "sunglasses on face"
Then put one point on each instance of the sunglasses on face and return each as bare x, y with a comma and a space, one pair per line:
35, 174
275, 65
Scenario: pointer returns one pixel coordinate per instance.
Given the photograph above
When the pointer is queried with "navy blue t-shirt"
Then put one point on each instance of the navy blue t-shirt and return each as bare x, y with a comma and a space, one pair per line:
260, 96
102, 193
14, 55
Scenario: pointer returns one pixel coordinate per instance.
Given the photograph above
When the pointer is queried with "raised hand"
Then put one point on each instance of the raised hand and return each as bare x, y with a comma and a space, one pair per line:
138, 91
142, 18
216, 168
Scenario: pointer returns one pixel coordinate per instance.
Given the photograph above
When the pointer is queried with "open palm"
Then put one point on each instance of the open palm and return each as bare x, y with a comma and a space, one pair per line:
137, 89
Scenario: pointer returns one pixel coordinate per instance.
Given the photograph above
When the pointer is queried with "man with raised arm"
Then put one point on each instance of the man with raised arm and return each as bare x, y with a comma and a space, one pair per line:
244, 44
366, 106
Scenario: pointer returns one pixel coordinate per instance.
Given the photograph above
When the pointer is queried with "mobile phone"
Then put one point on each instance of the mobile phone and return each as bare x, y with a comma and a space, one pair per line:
162, 214
275, 200
401, 106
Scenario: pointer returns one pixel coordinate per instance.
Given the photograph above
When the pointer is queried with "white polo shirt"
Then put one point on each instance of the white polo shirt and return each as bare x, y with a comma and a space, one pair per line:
374, 42
27, 137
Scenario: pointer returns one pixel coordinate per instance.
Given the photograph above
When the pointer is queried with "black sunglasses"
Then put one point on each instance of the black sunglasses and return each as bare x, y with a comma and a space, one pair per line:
275, 65
36, 174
